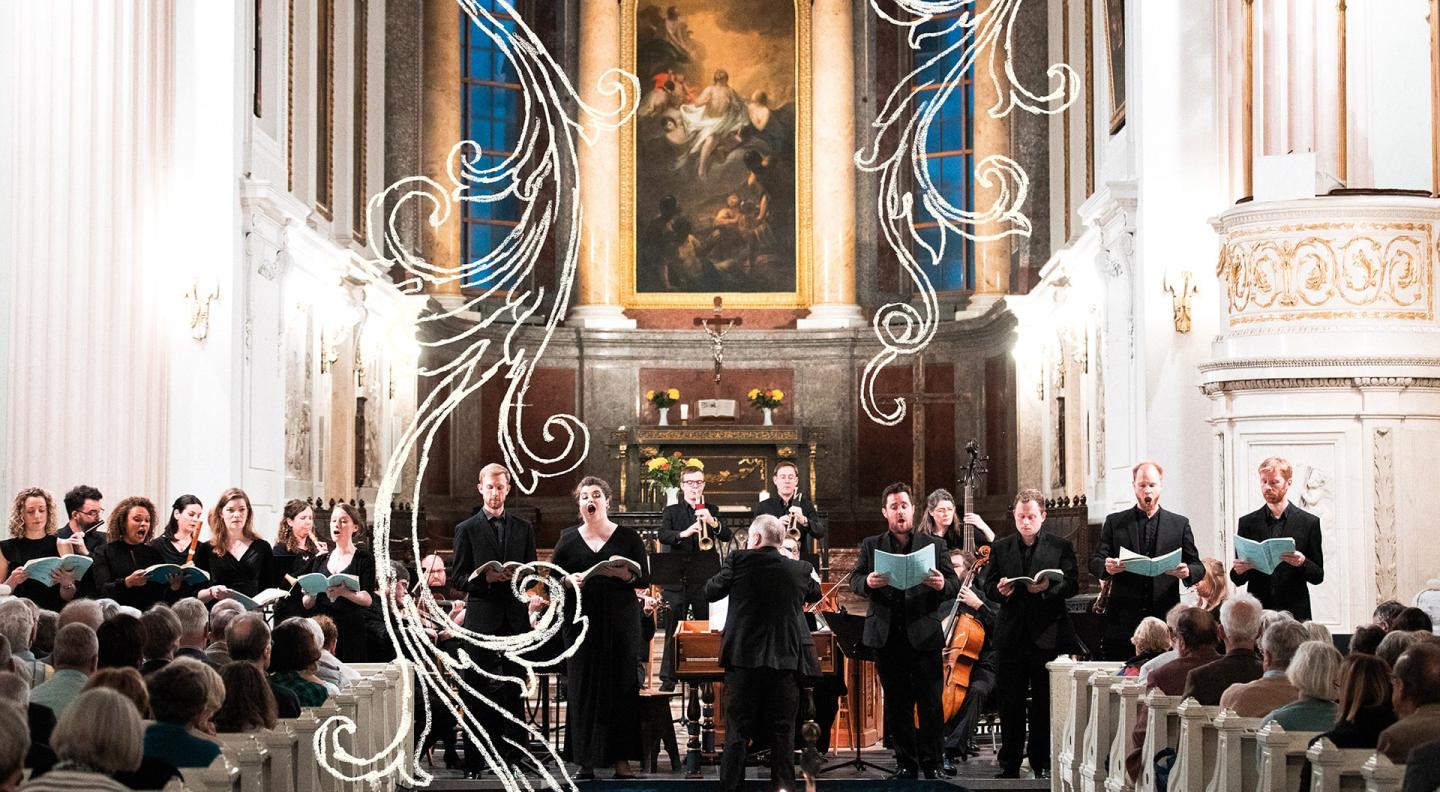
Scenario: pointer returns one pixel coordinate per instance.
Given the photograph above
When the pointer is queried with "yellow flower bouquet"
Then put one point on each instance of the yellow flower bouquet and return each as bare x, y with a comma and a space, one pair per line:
665, 471
663, 397
765, 398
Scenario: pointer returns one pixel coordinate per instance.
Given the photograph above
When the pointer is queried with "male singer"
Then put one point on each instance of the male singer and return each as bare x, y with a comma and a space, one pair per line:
793, 509
765, 650
680, 527
1031, 629
1150, 531
491, 608
902, 626
1287, 588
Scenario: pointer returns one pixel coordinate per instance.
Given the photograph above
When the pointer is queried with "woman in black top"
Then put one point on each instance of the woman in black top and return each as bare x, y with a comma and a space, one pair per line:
941, 520
347, 607
603, 682
1365, 708
296, 547
119, 571
235, 557
181, 539
32, 536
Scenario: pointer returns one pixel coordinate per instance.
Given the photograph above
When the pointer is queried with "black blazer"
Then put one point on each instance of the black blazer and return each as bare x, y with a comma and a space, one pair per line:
765, 627
920, 604
114, 561
1033, 620
676, 518
491, 608
1127, 592
775, 507
1288, 588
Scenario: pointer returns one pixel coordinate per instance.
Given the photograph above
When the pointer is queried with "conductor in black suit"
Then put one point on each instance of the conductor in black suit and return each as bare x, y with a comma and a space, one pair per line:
765, 650
793, 510
491, 607
1150, 531
1032, 627
681, 527
904, 629
1288, 587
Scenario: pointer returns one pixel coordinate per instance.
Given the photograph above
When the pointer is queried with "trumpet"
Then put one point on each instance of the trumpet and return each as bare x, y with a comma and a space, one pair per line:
793, 530
705, 540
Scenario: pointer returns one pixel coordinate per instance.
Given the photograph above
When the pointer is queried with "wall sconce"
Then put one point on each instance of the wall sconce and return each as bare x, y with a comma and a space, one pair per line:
198, 295
1182, 288
345, 310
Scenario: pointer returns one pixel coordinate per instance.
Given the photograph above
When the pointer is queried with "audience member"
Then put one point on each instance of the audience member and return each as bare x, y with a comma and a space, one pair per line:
1416, 696
98, 737
330, 670
1412, 619
122, 639
221, 615
1364, 709
1151, 639
293, 656
1385, 614
39, 720
194, 627
1195, 639
1366, 639
108, 609
249, 704
14, 745
85, 611
76, 652
318, 634
1273, 689
1214, 588
1313, 671
1239, 628
1395, 643
1422, 771
1171, 618
181, 696
248, 638
1319, 632
43, 644
162, 638
17, 623
129, 682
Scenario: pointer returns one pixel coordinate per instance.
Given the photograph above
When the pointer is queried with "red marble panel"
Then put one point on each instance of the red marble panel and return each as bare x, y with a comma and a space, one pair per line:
552, 391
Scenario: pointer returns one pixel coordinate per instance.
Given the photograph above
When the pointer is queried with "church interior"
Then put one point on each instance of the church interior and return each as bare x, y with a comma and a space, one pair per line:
354, 251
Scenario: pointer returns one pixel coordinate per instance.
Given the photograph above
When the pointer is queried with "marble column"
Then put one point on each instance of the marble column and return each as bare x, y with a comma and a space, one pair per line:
597, 293
833, 168
992, 138
440, 125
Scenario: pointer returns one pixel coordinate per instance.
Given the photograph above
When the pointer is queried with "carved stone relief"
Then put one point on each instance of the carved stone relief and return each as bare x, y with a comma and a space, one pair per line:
298, 388
1386, 564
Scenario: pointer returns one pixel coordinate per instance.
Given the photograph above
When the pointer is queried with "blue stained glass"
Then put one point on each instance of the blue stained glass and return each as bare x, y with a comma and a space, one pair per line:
490, 117
951, 131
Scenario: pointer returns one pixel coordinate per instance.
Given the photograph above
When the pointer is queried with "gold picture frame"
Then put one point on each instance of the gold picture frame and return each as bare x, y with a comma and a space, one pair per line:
801, 296
1115, 60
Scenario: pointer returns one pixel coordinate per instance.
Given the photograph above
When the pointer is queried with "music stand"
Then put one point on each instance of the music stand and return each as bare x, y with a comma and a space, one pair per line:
849, 630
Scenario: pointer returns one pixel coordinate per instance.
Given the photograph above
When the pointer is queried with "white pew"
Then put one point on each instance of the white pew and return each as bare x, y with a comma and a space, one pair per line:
1337, 769
1070, 707
252, 758
1100, 730
1060, 703
1196, 751
1282, 757
221, 776
1235, 769
284, 767
1162, 730
1381, 775
1128, 713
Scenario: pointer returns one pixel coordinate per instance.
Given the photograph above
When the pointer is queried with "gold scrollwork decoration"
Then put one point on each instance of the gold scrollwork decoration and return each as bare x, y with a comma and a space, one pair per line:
745, 469
649, 451
785, 452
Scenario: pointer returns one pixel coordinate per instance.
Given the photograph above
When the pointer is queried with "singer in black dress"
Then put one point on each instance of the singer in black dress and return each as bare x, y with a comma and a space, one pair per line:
348, 608
235, 557
295, 551
179, 543
120, 563
603, 683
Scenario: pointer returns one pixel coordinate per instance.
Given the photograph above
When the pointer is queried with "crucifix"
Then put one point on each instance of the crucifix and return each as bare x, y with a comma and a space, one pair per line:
717, 334
915, 401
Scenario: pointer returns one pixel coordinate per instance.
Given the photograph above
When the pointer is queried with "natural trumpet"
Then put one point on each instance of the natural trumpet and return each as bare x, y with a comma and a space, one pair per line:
705, 540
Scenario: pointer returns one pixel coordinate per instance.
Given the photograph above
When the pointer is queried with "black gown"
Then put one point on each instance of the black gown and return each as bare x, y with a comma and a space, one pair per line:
287, 562
352, 622
17, 553
602, 723
170, 555
114, 561
248, 575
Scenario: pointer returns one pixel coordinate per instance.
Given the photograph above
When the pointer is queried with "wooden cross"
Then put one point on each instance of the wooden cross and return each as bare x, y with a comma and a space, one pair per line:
915, 401
717, 335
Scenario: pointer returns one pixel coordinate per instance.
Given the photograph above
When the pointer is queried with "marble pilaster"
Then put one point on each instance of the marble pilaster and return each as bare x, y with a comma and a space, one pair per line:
440, 131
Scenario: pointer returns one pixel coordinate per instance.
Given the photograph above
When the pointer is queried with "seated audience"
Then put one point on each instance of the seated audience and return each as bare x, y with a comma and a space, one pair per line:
180, 695
1412, 619
129, 682
1416, 696
249, 704
86, 611
1171, 617
1151, 639
1313, 671
293, 657
1397, 643
1319, 632
221, 615
331, 671
194, 627
248, 638
1239, 628
46, 625
40, 721
1422, 771
17, 623
1366, 639
1195, 639
108, 608
76, 651
1385, 614
1213, 588
14, 745
122, 641
162, 638
98, 737
1273, 689
1365, 708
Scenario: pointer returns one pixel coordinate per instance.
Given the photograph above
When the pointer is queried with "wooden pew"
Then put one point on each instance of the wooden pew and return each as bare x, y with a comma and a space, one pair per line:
1195, 753
1105, 704
1162, 730
1282, 757
1337, 769
1235, 747
1128, 712
1381, 775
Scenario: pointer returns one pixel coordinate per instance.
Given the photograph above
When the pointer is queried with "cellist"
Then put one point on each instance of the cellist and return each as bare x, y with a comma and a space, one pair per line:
960, 726
1032, 629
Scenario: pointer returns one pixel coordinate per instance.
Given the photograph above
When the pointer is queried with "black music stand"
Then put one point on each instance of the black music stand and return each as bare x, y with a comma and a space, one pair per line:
681, 569
849, 630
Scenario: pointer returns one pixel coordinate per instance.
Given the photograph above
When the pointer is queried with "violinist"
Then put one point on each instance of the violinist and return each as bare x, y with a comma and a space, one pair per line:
983, 669
1032, 628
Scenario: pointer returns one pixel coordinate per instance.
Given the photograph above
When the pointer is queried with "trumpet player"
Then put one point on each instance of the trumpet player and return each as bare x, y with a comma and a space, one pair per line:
689, 526
797, 513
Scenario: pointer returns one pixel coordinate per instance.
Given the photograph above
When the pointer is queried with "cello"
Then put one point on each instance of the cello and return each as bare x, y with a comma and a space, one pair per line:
966, 635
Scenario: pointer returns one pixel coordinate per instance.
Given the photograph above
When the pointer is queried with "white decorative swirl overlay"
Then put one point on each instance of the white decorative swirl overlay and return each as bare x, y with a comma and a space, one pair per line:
899, 154
542, 176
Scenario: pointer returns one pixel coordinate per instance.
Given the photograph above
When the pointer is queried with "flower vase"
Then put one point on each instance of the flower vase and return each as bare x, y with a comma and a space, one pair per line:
672, 496
664, 416
769, 417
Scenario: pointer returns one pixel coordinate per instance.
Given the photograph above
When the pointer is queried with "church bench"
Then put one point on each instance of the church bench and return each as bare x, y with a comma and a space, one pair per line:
1235, 747
253, 759
1282, 757
1196, 750
1070, 707
1381, 775
1337, 769
1127, 714
1105, 703
221, 776
1162, 730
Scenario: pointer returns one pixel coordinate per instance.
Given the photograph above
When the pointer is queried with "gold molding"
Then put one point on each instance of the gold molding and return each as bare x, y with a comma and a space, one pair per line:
1065, 116
1342, 98
290, 101
1435, 97
804, 224
1247, 112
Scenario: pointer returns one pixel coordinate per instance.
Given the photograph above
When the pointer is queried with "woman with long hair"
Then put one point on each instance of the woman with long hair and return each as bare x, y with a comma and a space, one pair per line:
346, 606
943, 520
249, 703
236, 558
120, 563
296, 547
180, 540
32, 536
603, 683
1365, 709
1214, 588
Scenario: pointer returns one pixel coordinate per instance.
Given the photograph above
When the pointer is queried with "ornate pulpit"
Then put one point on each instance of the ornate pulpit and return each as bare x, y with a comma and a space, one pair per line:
739, 460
